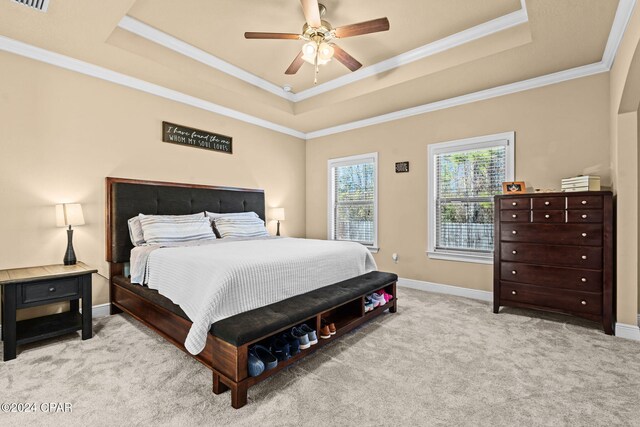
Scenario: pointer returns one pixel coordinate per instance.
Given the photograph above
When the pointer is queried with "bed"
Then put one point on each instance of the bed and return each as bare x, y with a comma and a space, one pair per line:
226, 357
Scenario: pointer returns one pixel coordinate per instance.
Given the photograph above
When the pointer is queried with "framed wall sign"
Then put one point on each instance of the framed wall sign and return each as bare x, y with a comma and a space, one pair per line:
183, 135
402, 167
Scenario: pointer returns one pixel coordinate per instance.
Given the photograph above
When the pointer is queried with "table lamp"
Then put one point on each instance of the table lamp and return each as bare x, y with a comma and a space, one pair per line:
278, 215
69, 214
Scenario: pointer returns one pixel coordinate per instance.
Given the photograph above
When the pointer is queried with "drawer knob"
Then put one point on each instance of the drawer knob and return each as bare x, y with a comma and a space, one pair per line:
514, 232
514, 252
584, 234
514, 293
583, 302
584, 202
584, 216
546, 203
514, 272
52, 289
584, 257
547, 216
584, 280
514, 216
514, 204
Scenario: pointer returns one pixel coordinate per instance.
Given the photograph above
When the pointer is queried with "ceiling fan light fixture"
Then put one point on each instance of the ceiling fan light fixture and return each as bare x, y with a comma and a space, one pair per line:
319, 34
325, 52
309, 49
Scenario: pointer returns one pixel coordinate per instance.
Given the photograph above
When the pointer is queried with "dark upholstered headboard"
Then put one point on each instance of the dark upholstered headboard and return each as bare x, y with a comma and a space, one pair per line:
127, 198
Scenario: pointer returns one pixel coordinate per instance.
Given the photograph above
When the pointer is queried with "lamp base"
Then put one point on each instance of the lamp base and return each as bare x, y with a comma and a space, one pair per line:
70, 255
278, 229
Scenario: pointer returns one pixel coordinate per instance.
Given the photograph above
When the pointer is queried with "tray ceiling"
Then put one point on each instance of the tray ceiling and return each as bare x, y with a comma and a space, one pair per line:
466, 46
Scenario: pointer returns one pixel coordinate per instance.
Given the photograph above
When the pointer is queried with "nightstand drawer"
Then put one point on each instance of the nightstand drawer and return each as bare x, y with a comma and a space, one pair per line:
50, 290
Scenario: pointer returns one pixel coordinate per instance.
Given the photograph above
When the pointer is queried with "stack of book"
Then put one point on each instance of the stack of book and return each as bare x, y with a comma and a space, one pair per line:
581, 183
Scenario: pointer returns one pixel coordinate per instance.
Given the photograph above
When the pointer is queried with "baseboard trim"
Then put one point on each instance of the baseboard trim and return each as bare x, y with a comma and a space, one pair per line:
100, 310
630, 332
446, 289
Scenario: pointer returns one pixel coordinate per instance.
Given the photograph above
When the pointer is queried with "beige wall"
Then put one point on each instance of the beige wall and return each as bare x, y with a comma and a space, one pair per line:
561, 130
624, 157
627, 217
62, 133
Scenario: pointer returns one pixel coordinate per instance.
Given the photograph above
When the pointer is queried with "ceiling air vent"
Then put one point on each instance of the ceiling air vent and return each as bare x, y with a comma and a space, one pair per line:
40, 5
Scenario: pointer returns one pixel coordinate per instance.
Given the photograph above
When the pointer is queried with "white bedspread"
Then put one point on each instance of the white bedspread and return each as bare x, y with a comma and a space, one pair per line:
223, 277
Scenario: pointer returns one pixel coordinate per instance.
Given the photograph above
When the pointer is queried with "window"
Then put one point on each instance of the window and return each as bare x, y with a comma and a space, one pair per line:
353, 199
464, 177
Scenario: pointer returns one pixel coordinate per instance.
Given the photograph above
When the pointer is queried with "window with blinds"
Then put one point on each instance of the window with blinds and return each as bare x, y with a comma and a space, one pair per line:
466, 175
352, 186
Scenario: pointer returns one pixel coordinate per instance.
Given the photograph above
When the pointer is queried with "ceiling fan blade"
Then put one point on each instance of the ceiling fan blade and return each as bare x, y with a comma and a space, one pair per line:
295, 65
254, 35
311, 12
367, 27
347, 60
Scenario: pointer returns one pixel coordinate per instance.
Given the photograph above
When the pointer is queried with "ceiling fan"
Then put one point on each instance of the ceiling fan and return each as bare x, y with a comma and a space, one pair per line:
319, 35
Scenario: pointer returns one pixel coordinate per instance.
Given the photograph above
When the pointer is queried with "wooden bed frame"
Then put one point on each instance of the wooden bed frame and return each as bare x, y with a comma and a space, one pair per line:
227, 362
166, 323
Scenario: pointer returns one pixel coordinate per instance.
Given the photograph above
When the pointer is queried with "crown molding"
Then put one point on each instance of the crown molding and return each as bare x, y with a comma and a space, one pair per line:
549, 79
483, 30
63, 61
620, 22
623, 14
479, 31
163, 39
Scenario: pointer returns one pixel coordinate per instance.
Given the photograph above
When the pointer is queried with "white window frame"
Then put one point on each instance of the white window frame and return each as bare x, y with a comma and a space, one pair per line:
508, 140
348, 161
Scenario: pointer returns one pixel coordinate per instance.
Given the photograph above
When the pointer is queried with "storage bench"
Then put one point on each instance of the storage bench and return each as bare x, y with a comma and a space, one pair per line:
341, 303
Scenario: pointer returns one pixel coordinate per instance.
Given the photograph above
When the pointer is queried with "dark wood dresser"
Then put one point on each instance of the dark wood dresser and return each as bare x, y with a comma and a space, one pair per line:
554, 252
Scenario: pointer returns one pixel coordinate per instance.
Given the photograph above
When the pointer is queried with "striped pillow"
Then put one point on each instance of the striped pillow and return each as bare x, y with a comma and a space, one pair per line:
237, 226
135, 228
213, 215
135, 231
175, 228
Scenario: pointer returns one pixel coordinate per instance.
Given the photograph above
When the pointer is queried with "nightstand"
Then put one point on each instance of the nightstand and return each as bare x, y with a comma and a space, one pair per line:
36, 286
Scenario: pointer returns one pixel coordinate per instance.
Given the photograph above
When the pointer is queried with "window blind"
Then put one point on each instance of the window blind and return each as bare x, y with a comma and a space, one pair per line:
354, 201
466, 182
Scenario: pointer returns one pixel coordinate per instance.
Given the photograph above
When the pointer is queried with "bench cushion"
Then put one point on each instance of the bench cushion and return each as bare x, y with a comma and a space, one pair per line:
260, 322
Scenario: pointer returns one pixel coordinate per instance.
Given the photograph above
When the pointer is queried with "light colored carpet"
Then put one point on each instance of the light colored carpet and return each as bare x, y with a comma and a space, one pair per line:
440, 360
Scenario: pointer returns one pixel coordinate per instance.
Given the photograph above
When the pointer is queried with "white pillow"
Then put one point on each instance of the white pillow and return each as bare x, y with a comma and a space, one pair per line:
214, 215
159, 229
238, 226
135, 231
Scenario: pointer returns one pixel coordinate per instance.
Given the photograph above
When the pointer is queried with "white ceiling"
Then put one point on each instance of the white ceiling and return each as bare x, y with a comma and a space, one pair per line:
436, 51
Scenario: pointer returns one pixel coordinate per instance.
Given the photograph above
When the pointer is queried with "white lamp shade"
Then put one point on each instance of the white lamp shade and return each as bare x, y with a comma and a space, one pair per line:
277, 214
69, 214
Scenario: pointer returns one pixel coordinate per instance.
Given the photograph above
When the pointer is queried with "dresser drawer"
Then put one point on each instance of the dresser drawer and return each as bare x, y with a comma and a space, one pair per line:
515, 203
51, 290
552, 277
569, 256
584, 202
549, 216
515, 216
548, 203
558, 299
584, 216
564, 234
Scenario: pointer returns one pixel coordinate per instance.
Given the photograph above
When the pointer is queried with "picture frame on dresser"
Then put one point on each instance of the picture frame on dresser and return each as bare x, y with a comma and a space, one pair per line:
514, 187
554, 252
